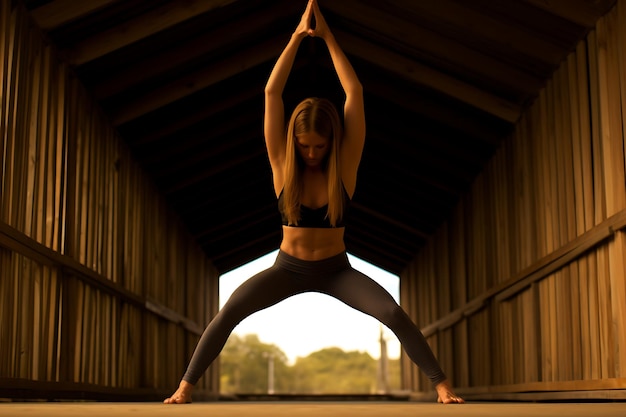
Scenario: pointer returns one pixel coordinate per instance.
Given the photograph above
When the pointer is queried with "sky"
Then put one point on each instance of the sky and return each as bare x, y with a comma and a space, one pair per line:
306, 323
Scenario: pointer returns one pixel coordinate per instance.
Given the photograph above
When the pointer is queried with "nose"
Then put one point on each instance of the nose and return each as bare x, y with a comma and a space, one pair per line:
312, 153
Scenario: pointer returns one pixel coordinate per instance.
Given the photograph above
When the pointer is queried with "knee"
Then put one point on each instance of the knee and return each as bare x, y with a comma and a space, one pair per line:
395, 316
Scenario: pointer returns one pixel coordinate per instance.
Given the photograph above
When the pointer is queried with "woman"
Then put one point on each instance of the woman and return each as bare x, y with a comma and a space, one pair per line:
314, 170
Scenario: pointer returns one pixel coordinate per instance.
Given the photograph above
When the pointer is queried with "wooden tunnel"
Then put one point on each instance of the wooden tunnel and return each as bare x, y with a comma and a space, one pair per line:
520, 290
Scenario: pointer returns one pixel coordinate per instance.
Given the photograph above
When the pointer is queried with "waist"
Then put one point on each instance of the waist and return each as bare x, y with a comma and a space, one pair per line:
316, 269
312, 244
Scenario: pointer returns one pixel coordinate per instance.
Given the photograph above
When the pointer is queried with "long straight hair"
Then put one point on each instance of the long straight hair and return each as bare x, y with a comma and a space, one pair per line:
317, 115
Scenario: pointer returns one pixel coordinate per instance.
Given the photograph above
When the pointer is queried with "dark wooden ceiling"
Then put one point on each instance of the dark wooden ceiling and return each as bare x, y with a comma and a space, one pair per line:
444, 80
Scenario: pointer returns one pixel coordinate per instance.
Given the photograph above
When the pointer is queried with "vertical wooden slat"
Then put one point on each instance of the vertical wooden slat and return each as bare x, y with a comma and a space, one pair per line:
611, 105
589, 192
559, 322
406, 289
5, 64
13, 315
91, 193
617, 271
23, 219
581, 332
459, 279
30, 125
568, 314
610, 113
596, 273
5, 69
6, 316
55, 157
621, 60
571, 288
54, 327
38, 145
527, 195
618, 264
16, 124
544, 214
439, 279
603, 147
537, 137
598, 185
48, 151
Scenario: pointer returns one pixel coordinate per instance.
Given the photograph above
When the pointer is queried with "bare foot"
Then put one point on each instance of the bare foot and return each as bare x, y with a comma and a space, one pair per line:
446, 395
182, 394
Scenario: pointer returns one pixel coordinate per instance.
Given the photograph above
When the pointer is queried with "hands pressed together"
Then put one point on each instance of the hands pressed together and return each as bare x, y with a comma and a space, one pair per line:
304, 28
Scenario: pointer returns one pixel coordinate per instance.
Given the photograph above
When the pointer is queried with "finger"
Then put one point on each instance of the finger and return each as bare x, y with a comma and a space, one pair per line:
316, 9
309, 9
307, 17
320, 22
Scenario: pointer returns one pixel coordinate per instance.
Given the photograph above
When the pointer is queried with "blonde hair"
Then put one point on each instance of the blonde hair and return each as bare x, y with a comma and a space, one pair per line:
317, 115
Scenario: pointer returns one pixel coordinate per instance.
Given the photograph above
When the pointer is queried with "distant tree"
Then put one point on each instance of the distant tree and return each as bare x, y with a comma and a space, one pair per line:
244, 369
244, 366
332, 370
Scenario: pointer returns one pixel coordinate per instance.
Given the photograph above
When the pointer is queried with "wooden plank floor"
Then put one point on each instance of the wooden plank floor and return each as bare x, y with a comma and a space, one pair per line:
312, 409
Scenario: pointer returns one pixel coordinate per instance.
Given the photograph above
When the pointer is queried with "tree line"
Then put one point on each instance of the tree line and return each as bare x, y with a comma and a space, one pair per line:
250, 366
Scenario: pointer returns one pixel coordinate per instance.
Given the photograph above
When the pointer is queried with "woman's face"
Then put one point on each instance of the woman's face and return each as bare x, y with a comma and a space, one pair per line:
312, 147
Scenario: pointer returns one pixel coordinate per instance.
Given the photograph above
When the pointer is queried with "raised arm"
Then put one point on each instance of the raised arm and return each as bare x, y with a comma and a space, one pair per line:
354, 112
274, 121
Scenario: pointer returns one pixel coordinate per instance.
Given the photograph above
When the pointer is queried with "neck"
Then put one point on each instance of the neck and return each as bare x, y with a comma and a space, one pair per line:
313, 169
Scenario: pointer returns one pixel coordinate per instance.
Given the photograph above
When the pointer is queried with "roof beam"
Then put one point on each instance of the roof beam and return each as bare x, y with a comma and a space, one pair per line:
387, 219
235, 228
230, 197
198, 80
174, 126
417, 150
60, 12
164, 17
372, 253
424, 75
407, 35
465, 22
475, 128
179, 55
584, 13
408, 172
215, 143
192, 180
397, 241
245, 251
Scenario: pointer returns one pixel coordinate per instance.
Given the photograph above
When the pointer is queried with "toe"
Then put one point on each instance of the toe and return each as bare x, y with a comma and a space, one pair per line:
450, 399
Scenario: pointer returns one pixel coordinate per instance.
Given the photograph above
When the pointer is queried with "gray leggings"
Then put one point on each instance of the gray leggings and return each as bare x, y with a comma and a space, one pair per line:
333, 276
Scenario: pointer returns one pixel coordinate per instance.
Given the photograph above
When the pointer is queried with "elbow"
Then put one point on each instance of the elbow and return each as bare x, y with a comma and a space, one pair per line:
272, 91
356, 88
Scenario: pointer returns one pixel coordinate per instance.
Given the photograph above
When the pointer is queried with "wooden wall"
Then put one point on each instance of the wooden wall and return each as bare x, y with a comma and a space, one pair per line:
523, 289
102, 290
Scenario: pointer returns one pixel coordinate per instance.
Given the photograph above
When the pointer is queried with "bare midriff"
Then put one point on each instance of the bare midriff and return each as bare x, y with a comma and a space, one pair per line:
312, 244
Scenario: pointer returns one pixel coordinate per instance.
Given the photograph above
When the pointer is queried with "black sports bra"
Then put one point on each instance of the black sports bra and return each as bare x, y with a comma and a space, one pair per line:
310, 217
